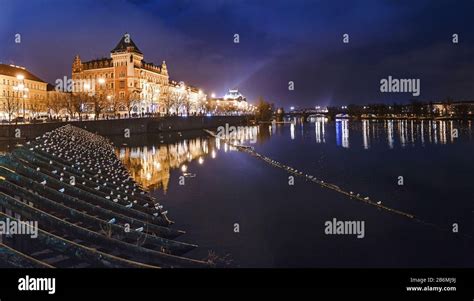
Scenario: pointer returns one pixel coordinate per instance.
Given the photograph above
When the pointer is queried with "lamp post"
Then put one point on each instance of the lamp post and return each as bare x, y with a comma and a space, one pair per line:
101, 95
21, 89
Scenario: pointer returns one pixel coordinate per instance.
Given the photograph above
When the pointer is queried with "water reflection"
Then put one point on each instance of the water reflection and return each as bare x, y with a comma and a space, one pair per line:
319, 127
342, 132
151, 166
366, 133
401, 133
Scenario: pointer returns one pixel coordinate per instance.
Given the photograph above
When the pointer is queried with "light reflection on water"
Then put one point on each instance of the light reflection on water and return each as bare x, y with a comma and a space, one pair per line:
404, 132
151, 165
364, 156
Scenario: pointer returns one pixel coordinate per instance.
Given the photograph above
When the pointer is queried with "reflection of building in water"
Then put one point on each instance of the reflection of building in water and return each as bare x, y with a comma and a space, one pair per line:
430, 131
390, 133
422, 131
151, 167
402, 131
292, 131
435, 130
319, 125
451, 129
442, 132
342, 132
366, 133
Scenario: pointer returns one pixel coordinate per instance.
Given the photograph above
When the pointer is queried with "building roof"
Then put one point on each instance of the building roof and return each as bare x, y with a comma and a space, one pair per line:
123, 45
97, 63
234, 94
13, 71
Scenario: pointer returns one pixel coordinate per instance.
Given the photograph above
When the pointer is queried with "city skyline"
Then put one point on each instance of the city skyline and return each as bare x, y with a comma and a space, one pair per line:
294, 41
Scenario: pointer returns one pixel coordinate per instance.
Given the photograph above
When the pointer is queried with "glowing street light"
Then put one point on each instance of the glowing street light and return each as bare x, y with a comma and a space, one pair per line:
20, 77
213, 95
101, 81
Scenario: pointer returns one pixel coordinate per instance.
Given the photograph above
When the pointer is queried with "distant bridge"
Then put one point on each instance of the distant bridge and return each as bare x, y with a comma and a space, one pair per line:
306, 113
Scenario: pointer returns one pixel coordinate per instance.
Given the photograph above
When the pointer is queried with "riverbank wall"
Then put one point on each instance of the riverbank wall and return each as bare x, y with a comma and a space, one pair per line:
123, 127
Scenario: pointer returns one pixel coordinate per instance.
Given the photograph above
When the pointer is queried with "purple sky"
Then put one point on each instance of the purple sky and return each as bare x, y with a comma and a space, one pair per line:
280, 41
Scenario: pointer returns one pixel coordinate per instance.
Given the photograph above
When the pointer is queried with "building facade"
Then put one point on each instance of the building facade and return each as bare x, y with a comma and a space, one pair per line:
232, 102
23, 94
140, 87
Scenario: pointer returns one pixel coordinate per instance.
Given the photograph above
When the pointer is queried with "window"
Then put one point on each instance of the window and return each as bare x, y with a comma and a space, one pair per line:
122, 84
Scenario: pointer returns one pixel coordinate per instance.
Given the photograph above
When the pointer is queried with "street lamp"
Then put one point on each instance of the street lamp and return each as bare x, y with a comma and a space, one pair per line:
20, 87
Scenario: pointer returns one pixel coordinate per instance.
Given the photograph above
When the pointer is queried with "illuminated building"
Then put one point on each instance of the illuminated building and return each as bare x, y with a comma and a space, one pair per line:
138, 86
233, 101
22, 92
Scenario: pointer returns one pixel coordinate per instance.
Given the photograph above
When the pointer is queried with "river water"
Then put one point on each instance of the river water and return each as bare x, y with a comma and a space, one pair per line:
245, 211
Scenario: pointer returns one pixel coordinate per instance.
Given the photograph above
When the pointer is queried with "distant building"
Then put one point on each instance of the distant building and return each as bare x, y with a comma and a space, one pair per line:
452, 108
140, 86
22, 92
233, 101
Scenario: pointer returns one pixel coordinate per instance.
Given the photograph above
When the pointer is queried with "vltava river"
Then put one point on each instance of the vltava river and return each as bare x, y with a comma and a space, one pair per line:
282, 225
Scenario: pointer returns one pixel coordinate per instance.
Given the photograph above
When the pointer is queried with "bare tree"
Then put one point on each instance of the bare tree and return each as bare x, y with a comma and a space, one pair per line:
167, 101
55, 102
99, 103
36, 106
10, 105
180, 99
114, 104
75, 104
186, 102
129, 101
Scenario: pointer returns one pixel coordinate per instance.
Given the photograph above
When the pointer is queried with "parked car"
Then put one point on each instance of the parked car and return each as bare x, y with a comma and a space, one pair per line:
18, 119
40, 118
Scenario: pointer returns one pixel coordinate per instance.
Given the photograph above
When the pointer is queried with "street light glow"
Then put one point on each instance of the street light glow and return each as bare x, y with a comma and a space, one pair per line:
20, 77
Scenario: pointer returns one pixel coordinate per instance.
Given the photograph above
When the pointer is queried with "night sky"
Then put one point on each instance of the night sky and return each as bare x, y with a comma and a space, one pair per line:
280, 41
